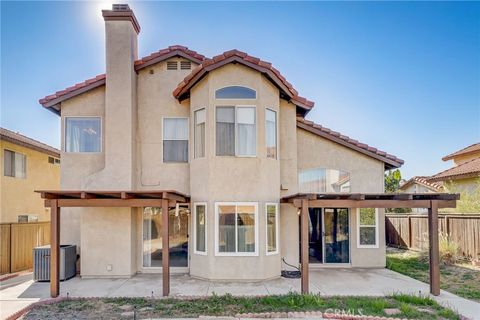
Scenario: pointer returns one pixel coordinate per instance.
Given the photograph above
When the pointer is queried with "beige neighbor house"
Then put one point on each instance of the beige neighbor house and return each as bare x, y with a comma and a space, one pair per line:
27, 165
465, 174
231, 133
420, 184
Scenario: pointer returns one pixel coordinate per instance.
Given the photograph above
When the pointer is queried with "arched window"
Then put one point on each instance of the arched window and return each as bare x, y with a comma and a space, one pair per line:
235, 92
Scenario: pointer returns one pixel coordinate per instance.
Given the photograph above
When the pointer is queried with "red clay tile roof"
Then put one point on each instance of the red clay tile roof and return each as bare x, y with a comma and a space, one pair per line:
474, 148
390, 160
22, 140
266, 68
467, 169
52, 100
423, 181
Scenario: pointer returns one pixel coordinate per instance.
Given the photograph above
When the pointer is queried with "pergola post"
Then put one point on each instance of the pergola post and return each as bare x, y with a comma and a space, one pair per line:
304, 245
434, 255
54, 248
165, 249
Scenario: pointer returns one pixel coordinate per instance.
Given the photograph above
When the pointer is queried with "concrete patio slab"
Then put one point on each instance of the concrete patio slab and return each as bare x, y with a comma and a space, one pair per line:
326, 281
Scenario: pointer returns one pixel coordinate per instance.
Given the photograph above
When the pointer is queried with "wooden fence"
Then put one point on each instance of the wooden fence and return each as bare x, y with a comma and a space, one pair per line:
17, 241
411, 231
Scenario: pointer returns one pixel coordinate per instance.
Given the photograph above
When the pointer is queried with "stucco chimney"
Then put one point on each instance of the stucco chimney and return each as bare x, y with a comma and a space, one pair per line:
121, 30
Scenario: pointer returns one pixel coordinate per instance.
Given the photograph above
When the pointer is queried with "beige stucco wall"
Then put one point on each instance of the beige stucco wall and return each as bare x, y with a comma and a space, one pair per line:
463, 185
464, 158
226, 179
17, 194
366, 175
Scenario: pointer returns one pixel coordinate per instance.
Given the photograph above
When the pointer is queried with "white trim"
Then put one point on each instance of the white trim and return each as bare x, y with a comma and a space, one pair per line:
234, 85
234, 106
64, 145
364, 246
236, 254
194, 137
194, 225
276, 133
277, 225
188, 138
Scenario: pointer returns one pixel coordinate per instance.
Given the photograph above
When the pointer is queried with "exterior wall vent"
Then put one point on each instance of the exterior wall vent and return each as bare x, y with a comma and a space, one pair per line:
185, 65
120, 7
172, 65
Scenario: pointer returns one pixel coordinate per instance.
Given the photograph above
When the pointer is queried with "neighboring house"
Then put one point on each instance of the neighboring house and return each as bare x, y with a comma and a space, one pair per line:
27, 165
465, 174
231, 133
420, 185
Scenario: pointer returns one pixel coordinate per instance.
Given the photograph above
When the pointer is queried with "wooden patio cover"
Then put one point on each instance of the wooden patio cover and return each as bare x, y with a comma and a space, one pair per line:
56, 199
431, 201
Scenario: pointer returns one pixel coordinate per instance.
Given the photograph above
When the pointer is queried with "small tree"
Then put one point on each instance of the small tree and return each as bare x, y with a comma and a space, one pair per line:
392, 184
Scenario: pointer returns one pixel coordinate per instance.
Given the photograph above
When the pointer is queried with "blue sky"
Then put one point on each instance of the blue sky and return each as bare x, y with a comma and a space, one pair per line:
401, 76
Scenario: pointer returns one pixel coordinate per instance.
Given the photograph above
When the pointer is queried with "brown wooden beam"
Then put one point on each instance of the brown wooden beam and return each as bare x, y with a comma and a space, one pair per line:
434, 255
345, 203
173, 196
165, 249
304, 245
54, 249
119, 203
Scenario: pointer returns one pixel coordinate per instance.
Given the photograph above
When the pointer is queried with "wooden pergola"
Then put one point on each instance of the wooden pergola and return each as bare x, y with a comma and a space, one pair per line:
431, 201
56, 199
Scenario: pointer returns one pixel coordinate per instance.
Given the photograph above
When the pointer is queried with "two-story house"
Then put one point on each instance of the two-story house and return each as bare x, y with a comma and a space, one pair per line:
230, 132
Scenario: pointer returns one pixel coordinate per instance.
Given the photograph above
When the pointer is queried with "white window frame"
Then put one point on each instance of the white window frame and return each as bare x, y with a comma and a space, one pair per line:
367, 246
194, 136
65, 135
277, 225
236, 126
194, 224
188, 139
230, 99
236, 254
276, 135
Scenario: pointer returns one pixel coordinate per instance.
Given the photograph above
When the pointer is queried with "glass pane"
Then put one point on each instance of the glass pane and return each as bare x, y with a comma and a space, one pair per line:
152, 237
367, 236
271, 134
226, 229
312, 180
200, 227
235, 92
246, 228
83, 135
20, 166
271, 228
175, 129
337, 181
200, 133
9, 163
175, 151
336, 236
315, 244
225, 131
367, 217
246, 133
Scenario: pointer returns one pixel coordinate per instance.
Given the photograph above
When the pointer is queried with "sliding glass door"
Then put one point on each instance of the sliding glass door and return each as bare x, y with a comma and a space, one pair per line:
152, 237
336, 236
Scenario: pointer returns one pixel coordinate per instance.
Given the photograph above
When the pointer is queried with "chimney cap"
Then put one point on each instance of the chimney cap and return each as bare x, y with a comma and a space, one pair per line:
120, 7
121, 12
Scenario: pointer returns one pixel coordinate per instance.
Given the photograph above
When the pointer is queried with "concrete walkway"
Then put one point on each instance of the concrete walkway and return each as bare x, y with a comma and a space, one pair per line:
330, 282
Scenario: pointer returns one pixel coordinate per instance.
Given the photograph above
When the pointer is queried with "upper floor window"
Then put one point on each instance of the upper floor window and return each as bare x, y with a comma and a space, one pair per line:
83, 134
236, 131
319, 180
235, 92
14, 164
200, 118
175, 139
271, 133
53, 160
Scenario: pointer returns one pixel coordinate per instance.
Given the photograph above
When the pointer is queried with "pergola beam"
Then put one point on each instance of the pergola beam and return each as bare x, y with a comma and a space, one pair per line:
380, 203
304, 246
54, 249
433, 246
165, 249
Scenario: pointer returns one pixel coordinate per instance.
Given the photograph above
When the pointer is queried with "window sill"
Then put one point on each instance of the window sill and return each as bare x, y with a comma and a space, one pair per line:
231, 254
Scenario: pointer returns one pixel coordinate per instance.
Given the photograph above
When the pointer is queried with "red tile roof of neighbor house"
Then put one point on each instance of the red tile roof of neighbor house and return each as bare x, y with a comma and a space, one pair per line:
423, 181
27, 142
467, 169
236, 56
474, 148
390, 160
205, 65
